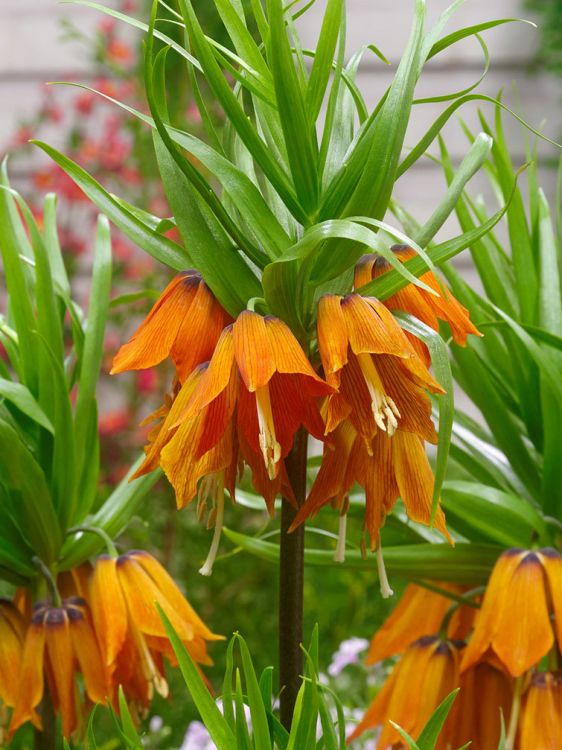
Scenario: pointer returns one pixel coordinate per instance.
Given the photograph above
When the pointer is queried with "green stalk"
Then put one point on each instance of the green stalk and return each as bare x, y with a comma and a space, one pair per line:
291, 580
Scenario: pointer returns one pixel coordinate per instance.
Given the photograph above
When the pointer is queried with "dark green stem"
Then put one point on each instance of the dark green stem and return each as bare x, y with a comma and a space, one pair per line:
291, 580
46, 739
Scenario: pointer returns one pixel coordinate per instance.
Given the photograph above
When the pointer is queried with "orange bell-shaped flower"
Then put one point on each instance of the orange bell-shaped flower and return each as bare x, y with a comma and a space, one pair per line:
123, 595
420, 611
540, 723
514, 627
427, 307
427, 672
59, 644
184, 324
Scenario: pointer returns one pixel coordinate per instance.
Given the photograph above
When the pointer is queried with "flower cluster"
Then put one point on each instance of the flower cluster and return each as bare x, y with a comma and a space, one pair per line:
105, 628
244, 387
503, 656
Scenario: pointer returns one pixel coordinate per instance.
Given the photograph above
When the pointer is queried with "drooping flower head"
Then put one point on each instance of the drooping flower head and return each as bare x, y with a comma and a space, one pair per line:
60, 643
427, 672
420, 611
378, 417
521, 614
427, 307
124, 592
184, 324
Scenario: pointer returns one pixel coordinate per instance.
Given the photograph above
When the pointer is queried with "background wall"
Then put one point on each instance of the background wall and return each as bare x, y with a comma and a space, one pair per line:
33, 51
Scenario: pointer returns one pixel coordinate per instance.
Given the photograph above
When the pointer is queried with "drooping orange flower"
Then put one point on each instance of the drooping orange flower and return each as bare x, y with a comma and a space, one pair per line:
540, 723
123, 595
486, 694
184, 324
393, 467
260, 379
427, 672
381, 382
514, 627
59, 644
12, 634
427, 307
420, 611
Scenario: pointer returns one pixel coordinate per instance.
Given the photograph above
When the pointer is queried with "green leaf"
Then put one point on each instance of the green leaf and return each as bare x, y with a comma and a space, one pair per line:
430, 734
321, 69
503, 518
471, 163
155, 244
90, 364
299, 132
20, 309
464, 563
21, 397
31, 505
214, 721
550, 296
260, 726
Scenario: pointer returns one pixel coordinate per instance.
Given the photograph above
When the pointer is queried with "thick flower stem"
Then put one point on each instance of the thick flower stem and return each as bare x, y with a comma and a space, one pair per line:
291, 577
46, 739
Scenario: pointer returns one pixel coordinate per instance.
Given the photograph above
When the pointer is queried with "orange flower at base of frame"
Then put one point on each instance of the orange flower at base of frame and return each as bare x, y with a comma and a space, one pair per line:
540, 722
59, 643
427, 672
184, 324
133, 640
513, 628
427, 307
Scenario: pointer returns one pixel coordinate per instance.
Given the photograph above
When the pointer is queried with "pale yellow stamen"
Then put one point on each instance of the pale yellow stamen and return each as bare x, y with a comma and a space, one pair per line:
270, 448
218, 511
151, 673
385, 411
386, 591
339, 554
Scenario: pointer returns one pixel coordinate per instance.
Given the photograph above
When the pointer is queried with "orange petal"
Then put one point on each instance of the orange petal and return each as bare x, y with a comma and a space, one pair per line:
330, 482
171, 592
417, 613
495, 600
372, 329
216, 376
375, 474
332, 334
153, 340
290, 358
61, 660
12, 632
142, 594
198, 333
364, 270
109, 612
31, 678
252, 350
415, 480
377, 711
87, 652
524, 633
552, 564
